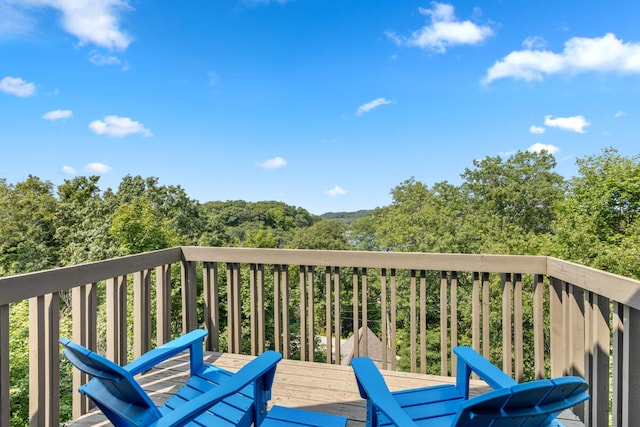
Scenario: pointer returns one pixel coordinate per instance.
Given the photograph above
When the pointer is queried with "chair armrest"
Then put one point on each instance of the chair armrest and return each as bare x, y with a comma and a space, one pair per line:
262, 366
470, 361
372, 387
192, 340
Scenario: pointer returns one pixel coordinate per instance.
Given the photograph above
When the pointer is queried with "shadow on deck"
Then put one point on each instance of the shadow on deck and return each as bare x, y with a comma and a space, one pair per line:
313, 386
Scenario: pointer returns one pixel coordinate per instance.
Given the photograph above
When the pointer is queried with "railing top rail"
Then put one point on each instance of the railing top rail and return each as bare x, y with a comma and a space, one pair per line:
399, 260
24, 286
617, 288
612, 286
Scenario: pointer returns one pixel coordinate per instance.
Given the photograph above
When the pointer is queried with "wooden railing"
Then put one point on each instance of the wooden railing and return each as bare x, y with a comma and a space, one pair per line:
534, 316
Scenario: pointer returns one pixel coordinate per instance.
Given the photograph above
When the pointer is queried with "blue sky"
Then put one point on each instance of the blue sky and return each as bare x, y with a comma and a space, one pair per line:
322, 104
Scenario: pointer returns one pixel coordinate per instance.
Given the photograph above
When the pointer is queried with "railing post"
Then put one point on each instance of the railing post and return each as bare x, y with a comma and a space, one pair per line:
44, 360
83, 314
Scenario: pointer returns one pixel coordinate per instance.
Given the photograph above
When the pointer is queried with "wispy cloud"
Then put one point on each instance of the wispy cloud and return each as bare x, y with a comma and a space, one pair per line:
336, 191
574, 123
537, 130
101, 59
275, 163
580, 55
365, 108
254, 3
57, 115
619, 114
538, 147
118, 127
17, 86
68, 170
445, 30
97, 168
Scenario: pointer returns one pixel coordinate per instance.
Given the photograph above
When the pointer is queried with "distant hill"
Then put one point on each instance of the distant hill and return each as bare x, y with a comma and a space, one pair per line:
347, 217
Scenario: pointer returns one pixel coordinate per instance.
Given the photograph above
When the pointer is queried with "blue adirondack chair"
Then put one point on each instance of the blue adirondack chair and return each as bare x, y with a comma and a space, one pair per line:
534, 403
211, 396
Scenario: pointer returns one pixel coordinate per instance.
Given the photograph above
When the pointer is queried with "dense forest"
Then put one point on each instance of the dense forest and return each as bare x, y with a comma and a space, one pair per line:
512, 205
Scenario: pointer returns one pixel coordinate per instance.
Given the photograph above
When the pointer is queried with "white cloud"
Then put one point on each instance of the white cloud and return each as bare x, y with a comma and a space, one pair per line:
68, 170
336, 191
445, 30
96, 22
97, 168
538, 147
619, 114
536, 130
118, 127
57, 115
275, 163
365, 108
580, 55
574, 123
17, 86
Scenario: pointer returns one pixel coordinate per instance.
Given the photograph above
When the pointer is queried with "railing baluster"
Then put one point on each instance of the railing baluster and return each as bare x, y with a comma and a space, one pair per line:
5, 410
444, 348
538, 326
211, 305
412, 320
163, 304
116, 319
618, 362
475, 313
142, 313
384, 318
286, 330
277, 309
393, 323
486, 308
355, 315
303, 312
365, 314
556, 321
454, 318
253, 309
423, 321
631, 362
576, 335
261, 319
189, 296
311, 313
601, 346
337, 310
518, 328
507, 332
327, 313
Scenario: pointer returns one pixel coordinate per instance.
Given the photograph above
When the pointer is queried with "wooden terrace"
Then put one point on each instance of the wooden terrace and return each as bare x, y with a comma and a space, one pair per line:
550, 317
313, 386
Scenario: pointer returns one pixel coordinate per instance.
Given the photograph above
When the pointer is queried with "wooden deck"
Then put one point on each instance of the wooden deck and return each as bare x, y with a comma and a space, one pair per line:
312, 386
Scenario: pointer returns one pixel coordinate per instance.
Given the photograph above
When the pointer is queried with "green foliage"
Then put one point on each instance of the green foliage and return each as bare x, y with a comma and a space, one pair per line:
512, 205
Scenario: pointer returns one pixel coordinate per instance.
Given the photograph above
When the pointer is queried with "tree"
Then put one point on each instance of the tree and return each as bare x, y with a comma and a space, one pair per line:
27, 212
599, 223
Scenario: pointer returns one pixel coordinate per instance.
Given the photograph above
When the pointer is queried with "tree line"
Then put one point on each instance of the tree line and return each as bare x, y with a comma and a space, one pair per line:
515, 204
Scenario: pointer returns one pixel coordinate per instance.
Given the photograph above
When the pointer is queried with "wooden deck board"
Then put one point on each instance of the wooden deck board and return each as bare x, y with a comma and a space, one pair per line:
313, 386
